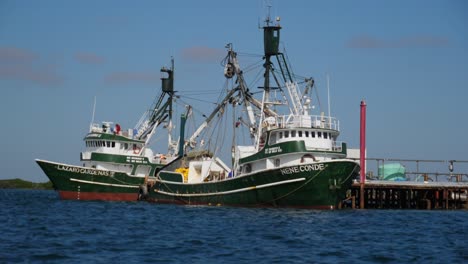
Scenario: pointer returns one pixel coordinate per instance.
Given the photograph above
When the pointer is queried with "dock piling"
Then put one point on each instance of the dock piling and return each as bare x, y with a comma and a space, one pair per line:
410, 195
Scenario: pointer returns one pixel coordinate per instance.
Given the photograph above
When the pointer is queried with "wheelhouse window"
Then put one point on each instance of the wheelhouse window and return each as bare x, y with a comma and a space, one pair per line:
313, 134
319, 134
286, 134
272, 138
280, 135
325, 135
293, 133
136, 147
307, 134
299, 133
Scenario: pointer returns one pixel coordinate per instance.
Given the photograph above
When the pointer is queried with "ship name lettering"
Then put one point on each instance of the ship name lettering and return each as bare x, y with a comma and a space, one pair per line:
140, 160
85, 171
303, 168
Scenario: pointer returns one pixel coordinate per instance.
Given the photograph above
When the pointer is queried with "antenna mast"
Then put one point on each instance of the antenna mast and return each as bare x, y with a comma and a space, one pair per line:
92, 118
328, 92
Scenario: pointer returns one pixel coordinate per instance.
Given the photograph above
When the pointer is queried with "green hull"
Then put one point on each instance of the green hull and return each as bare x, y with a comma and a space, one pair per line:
320, 185
81, 183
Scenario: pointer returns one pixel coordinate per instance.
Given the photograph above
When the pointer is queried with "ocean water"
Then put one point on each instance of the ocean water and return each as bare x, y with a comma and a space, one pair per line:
35, 227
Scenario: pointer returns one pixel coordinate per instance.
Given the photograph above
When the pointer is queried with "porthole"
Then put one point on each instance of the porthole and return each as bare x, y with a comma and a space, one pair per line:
277, 162
248, 168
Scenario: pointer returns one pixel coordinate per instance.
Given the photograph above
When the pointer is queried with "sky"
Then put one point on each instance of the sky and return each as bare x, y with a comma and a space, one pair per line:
407, 59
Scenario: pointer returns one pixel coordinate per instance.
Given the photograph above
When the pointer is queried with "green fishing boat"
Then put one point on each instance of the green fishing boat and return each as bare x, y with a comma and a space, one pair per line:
294, 159
117, 162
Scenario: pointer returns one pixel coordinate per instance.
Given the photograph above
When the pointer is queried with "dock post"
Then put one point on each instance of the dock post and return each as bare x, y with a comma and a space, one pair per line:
428, 204
362, 153
446, 195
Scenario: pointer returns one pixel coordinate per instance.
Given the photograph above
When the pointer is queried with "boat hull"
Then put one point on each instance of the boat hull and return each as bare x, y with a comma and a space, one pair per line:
317, 185
82, 183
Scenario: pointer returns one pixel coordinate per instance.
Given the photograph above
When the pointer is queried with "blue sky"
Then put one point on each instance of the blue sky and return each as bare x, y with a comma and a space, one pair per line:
407, 59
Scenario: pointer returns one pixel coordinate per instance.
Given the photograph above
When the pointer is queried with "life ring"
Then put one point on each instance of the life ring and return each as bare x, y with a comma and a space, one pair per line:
261, 143
136, 150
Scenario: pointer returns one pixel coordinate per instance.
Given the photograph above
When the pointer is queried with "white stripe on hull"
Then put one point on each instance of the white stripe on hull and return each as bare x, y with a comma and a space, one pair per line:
232, 191
105, 184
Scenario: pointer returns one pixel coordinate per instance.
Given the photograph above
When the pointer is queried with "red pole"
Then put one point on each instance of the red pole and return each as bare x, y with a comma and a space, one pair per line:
363, 142
362, 153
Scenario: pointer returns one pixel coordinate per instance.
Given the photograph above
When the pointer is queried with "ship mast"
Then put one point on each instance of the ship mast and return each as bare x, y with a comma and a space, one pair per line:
159, 111
232, 68
271, 39
244, 90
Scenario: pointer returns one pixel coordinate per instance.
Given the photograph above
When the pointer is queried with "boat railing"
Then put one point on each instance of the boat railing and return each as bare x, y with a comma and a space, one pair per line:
98, 128
306, 121
337, 146
95, 127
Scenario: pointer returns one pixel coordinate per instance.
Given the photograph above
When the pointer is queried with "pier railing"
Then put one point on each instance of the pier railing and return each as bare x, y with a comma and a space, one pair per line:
411, 184
421, 169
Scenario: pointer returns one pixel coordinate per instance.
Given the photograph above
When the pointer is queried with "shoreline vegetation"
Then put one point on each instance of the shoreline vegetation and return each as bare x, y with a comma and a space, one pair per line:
22, 184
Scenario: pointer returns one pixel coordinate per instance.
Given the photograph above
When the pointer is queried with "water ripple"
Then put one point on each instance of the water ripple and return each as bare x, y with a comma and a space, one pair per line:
37, 227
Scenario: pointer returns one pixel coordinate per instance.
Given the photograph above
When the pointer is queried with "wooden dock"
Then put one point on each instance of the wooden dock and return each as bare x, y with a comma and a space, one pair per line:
409, 195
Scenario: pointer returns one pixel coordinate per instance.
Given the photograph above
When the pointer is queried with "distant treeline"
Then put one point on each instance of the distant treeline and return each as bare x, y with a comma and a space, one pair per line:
22, 184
